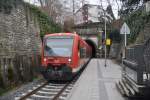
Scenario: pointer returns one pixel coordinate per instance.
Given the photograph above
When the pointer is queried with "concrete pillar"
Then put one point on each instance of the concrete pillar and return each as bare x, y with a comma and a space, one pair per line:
1, 77
147, 6
12, 64
17, 67
30, 68
4, 72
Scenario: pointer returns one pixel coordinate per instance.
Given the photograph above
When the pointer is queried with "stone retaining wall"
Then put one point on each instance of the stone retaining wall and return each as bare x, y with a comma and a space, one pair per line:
20, 45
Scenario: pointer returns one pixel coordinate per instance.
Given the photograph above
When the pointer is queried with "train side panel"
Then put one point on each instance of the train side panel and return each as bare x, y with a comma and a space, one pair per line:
75, 58
83, 54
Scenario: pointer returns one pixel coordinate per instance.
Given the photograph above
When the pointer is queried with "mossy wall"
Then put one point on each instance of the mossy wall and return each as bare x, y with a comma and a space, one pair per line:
47, 25
1, 79
136, 22
7, 5
21, 26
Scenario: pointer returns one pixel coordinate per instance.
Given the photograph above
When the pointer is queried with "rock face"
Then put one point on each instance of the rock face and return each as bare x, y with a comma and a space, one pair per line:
144, 35
19, 46
114, 51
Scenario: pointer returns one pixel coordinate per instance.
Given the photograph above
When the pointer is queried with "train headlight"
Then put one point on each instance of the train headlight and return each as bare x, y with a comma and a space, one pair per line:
69, 60
45, 59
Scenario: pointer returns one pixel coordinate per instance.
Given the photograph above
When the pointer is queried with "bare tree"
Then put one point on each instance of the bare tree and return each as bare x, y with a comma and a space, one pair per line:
61, 9
52, 8
42, 2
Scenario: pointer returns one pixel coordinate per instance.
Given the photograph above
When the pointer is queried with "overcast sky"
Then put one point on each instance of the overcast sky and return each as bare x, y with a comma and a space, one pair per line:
105, 4
97, 2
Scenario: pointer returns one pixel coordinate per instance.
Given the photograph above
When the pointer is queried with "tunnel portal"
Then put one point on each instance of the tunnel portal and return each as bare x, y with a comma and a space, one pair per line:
93, 46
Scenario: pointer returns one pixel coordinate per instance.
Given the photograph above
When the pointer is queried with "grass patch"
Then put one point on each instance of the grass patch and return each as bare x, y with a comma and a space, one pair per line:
5, 90
13, 86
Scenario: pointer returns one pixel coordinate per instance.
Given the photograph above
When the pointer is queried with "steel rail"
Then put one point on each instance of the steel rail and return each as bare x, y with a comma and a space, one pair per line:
33, 92
56, 97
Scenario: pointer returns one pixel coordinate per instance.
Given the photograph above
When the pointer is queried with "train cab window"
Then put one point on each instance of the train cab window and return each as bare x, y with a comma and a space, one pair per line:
82, 52
79, 50
56, 46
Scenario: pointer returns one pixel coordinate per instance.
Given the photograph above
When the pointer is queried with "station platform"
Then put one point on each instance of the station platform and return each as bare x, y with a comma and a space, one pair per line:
97, 82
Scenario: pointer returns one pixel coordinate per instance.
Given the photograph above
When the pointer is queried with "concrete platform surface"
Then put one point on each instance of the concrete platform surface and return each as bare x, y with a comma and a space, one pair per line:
98, 82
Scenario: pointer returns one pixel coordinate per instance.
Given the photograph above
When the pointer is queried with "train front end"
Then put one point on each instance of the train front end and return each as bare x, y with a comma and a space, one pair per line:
57, 57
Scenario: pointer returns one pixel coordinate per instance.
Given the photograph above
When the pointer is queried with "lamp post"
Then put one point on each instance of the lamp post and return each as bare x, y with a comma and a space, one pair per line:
105, 39
105, 33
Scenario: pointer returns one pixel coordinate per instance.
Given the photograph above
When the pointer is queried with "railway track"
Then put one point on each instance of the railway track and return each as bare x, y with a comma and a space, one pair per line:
47, 91
50, 91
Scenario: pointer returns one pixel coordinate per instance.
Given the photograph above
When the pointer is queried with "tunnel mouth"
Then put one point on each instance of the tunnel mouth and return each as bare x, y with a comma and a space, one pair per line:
93, 46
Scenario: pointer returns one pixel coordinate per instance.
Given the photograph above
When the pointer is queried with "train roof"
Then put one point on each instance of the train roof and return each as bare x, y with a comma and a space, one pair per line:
66, 34
61, 34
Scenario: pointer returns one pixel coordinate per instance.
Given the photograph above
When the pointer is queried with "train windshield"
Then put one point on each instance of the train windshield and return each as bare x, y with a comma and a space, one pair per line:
58, 46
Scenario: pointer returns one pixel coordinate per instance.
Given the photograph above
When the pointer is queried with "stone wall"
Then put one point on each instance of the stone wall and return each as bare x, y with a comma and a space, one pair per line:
144, 34
19, 46
114, 50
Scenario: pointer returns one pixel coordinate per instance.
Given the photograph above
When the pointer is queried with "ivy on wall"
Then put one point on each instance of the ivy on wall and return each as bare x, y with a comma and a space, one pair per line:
1, 79
136, 22
115, 36
7, 5
46, 24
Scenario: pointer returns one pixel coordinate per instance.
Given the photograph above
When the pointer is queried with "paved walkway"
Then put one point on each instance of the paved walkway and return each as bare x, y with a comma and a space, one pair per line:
98, 82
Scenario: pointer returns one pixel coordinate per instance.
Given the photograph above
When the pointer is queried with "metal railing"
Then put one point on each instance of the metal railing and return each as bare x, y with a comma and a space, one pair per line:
147, 55
137, 63
14, 69
134, 63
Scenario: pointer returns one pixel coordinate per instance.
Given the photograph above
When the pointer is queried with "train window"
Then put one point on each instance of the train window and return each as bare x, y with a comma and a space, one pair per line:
79, 49
58, 47
83, 52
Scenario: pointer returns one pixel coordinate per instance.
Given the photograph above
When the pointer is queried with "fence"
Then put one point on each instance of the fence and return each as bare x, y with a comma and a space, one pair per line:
20, 68
147, 55
137, 63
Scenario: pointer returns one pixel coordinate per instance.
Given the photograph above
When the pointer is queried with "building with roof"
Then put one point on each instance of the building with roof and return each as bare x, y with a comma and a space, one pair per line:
91, 14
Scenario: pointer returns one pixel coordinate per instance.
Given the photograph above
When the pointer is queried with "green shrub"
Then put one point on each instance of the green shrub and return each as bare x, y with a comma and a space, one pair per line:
10, 73
7, 5
115, 35
47, 25
1, 79
136, 21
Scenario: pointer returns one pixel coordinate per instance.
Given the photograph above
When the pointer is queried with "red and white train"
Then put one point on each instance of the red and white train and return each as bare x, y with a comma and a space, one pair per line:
63, 55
